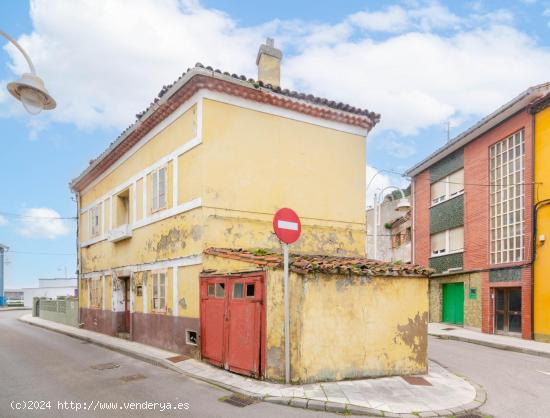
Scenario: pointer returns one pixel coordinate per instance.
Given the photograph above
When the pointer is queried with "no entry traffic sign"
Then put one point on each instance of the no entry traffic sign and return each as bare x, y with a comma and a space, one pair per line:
287, 225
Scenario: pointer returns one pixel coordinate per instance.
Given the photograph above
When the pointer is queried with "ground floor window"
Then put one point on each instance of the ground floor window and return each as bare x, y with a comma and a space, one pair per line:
159, 291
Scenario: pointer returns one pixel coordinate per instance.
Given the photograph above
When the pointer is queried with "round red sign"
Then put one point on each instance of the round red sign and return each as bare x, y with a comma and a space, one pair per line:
287, 225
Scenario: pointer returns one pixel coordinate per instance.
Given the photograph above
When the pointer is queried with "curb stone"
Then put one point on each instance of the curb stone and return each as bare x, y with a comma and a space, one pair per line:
304, 403
490, 344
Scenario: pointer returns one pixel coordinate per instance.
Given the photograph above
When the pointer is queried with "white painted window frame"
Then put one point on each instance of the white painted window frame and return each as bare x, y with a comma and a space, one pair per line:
156, 278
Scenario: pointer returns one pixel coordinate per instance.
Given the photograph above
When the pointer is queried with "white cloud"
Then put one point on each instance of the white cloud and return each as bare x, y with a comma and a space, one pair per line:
104, 61
42, 223
3, 220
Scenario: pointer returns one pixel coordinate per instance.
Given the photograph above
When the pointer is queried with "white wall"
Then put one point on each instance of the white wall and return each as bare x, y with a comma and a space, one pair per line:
46, 292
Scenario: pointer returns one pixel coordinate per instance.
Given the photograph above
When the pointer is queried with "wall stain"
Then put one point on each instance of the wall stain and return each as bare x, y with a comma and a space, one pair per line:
415, 335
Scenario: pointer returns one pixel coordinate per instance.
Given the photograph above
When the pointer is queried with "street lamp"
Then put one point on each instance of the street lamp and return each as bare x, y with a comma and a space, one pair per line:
29, 89
403, 205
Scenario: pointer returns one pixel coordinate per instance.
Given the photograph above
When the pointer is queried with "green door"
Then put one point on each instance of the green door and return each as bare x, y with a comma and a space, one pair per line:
453, 303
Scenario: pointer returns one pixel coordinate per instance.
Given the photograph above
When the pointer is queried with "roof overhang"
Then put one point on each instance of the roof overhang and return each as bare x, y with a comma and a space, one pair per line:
197, 78
520, 103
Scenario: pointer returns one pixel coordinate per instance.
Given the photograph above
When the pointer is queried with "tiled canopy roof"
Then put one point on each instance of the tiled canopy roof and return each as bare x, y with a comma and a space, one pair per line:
304, 264
173, 95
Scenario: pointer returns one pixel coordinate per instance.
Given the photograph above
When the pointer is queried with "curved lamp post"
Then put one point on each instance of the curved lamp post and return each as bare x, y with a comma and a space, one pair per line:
403, 205
29, 89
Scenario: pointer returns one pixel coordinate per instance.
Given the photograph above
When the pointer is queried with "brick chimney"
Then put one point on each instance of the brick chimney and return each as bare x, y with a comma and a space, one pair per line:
269, 63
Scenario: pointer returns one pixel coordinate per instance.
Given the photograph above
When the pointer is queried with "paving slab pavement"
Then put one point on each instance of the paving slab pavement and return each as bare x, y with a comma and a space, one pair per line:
387, 396
502, 342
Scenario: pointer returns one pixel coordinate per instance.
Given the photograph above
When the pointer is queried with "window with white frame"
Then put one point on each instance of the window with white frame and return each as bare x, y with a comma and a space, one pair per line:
158, 184
448, 187
95, 219
507, 199
159, 291
448, 242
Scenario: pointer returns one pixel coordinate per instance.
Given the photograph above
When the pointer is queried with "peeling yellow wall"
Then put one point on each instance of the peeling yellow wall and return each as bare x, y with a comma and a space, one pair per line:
277, 162
174, 237
188, 290
541, 292
358, 326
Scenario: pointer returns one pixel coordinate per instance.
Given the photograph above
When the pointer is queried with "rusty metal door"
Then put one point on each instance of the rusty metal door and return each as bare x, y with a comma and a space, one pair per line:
231, 322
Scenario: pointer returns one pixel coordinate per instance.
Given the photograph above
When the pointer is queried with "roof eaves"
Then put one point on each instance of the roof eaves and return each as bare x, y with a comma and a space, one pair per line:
470, 134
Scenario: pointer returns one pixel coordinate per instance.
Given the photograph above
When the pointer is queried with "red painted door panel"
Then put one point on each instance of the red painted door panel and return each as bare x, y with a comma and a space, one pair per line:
243, 351
231, 322
213, 320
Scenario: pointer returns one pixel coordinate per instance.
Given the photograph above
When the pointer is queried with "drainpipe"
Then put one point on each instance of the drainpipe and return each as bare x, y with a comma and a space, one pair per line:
413, 226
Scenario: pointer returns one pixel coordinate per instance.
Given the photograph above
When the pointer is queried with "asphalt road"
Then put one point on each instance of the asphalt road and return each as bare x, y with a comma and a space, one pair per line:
40, 365
518, 385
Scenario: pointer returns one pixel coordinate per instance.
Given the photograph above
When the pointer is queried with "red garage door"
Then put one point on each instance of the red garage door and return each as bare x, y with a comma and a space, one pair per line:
231, 322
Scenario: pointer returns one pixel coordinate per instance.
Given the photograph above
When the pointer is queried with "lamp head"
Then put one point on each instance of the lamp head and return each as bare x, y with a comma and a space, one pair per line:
30, 90
403, 205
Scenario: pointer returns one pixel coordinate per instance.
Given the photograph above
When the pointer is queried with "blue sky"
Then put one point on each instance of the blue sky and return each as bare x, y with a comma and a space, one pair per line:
420, 64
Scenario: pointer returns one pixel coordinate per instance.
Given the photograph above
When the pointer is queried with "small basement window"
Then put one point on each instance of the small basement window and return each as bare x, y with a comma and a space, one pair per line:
190, 337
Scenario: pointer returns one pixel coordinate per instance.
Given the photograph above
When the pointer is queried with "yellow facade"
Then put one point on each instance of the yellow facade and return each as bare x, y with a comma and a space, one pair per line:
228, 167
541, 297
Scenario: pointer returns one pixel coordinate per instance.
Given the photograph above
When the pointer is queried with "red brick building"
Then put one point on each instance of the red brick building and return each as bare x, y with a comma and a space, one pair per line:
472, 221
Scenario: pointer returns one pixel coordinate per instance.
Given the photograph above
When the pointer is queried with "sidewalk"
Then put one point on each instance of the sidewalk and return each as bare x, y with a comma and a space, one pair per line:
451, 332
440, 394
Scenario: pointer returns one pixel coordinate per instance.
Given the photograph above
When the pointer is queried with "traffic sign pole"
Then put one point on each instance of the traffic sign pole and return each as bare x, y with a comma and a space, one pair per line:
287, 315
288, 228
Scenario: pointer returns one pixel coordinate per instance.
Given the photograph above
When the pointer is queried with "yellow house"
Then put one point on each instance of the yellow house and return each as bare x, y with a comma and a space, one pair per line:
541, 291
207, 165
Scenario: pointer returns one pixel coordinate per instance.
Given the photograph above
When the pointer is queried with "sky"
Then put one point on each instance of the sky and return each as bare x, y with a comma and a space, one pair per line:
423, 65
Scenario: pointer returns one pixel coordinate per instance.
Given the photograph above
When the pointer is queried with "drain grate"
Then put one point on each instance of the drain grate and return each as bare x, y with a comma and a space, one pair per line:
239, 400
105, 366
133, 377
177, 359
416, 380
448, 329
470, 416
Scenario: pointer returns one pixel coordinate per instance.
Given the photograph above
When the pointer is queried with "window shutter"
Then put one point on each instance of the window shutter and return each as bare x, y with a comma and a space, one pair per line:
438, 243
456, 239
162, 187
456, 183
438, 190
154, 187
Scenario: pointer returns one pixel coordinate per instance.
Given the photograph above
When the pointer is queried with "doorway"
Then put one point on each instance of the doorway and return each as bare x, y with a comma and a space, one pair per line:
508, 310
124, 323
453, 303
231, 322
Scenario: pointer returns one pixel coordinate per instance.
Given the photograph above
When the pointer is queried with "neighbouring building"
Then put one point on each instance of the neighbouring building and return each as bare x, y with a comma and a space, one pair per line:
165, 210
541, 215
50, 289
473, 203
393, 229
13, 297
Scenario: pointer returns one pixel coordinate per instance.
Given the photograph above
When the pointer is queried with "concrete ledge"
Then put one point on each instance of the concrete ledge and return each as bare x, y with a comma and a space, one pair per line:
14, 308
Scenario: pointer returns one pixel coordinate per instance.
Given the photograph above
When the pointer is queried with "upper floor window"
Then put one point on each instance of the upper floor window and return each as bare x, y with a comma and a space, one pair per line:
448, 187
95, 218
159, 291
448, 242
507, 199
158, 181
